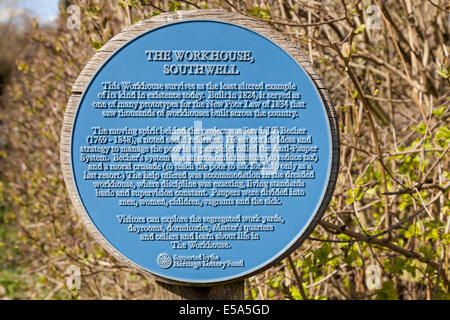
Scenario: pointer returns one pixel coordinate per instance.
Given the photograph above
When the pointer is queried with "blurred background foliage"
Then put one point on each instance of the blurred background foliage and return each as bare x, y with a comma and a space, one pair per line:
387, 70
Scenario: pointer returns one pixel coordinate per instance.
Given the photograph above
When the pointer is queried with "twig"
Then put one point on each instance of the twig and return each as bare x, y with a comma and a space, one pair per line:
297, 278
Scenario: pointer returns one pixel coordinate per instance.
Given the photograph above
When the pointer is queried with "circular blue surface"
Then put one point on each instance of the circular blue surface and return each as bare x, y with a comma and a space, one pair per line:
271, 65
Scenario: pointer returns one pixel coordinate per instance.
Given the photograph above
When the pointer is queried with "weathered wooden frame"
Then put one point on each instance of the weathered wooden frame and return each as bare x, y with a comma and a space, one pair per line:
130, 33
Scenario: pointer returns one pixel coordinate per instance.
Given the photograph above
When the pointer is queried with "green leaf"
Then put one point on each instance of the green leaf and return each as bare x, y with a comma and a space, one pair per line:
96, 45
443, 72
360, 29
174, 5
261, 13
443, 136
439, 112
295, 293
388, 292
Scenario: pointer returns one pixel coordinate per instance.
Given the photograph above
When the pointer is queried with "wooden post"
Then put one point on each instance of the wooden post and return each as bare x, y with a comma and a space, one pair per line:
231, 291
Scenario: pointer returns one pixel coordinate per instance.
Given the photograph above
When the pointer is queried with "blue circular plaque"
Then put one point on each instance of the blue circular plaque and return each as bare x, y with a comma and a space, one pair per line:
200, 151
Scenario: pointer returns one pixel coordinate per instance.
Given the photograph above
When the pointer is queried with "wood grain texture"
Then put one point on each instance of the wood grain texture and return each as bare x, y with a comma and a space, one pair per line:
230, 291
127, 35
